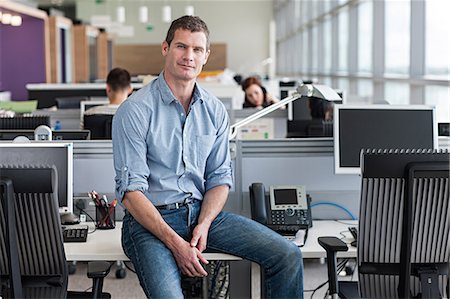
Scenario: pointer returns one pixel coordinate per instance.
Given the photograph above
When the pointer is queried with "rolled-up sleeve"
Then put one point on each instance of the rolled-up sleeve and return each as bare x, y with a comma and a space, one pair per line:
129, 127
218, 165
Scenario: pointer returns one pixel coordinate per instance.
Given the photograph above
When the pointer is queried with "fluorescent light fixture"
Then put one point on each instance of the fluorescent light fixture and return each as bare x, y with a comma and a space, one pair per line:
189, 10
6, 18
143, 14
120, 11
16, 20
166, 14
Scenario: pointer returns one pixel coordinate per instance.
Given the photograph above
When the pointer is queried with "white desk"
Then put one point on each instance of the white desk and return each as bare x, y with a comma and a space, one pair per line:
105, 245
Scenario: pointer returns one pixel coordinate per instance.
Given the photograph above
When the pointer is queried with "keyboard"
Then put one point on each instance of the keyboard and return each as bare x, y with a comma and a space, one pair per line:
75, 234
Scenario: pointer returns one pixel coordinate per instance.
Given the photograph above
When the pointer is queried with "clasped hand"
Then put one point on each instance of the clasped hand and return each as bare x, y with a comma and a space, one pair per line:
189, 255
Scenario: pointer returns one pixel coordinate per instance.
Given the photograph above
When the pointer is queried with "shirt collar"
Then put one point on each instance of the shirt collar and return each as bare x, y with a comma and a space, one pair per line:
167, 95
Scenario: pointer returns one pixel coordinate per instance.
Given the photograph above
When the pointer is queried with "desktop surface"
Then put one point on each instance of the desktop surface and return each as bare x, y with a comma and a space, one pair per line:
105, 245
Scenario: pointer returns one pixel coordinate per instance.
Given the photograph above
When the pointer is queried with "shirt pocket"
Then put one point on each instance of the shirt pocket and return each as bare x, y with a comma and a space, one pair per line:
203, 147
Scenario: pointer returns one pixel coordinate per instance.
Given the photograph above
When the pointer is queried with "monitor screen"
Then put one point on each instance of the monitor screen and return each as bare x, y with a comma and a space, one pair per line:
380, 127
59, 155
285, 196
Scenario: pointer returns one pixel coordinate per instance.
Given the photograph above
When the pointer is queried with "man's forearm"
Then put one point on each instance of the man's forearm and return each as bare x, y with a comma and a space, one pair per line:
213, 203
148, 216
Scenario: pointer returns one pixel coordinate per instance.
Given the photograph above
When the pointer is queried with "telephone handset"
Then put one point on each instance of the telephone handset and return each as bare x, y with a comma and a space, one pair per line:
287, 209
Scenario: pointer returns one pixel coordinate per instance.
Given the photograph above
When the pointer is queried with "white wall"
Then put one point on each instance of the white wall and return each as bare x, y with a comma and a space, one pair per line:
242, 25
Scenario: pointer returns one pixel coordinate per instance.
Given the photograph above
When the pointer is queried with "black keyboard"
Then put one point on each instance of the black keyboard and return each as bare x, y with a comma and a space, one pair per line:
75, 234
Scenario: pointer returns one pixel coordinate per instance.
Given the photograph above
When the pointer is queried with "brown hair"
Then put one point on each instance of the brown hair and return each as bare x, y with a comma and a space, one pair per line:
118, 79
192, 23
246, 84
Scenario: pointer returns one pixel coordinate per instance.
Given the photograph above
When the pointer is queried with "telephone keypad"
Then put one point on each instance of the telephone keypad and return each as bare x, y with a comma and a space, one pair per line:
281, 217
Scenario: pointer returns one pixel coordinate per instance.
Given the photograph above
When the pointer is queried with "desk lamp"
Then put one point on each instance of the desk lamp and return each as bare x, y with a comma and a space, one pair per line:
308, 90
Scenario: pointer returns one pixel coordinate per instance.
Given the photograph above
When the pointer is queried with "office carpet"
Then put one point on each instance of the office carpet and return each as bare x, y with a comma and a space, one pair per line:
314, 275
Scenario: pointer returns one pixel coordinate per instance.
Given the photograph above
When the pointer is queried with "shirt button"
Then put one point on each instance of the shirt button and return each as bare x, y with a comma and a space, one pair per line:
181, 114
125, 168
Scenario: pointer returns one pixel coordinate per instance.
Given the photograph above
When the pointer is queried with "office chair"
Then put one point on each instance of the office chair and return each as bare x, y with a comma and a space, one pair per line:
404, 232
32, 258
100, 125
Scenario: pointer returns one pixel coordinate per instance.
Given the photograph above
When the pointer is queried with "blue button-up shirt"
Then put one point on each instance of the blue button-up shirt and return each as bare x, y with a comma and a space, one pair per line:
166, 154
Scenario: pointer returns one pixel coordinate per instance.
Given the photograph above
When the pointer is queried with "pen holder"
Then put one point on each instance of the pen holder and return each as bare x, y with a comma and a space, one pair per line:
105, 217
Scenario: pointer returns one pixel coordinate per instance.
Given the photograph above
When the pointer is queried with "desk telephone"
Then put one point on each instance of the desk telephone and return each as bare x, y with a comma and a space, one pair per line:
286, 210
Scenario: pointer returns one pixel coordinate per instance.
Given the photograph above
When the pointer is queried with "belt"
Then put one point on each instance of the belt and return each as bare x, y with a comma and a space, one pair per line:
177, 205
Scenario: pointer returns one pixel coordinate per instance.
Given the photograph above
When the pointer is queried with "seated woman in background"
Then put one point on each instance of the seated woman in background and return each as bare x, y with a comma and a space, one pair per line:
256, 96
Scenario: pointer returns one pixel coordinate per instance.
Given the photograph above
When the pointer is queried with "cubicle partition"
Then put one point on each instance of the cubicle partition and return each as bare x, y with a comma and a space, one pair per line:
306, 162
302, 161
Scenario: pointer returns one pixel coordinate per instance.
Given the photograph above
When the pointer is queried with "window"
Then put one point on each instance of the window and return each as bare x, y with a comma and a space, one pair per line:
343, 85
343, 40
396, 93
315, 42
437, 33
305, 50
327, 34
365, 90
439, 96
397, 36
365, 11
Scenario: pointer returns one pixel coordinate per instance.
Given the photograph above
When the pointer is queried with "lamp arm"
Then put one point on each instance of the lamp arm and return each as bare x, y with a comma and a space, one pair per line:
261, 113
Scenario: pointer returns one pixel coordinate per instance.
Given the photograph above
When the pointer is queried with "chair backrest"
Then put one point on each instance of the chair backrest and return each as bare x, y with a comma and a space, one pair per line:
403, 222
32, 235
100, 125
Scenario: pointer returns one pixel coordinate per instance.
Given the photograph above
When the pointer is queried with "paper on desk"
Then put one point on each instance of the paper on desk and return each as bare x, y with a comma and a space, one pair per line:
300, 238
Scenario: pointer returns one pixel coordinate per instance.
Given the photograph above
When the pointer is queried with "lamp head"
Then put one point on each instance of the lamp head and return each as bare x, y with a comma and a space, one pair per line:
319, 91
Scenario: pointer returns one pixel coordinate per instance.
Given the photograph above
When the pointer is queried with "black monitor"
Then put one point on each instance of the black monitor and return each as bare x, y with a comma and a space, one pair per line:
380, 127
56, 135
100, 125
307, 117
58, 155
69, 102
309, 128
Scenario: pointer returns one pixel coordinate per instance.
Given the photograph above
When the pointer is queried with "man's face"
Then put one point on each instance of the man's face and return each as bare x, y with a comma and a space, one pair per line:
186, 55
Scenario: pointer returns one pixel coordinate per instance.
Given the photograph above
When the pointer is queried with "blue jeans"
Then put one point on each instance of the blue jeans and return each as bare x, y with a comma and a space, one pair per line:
157, 269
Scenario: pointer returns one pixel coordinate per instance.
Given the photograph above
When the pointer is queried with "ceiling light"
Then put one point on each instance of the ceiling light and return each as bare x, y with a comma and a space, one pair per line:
143, 14
6, 18
120, 12
0, 15
166, 14
16, 20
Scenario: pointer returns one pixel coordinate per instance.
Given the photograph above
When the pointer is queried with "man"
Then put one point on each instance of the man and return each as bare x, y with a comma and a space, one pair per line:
173, 174
118, 87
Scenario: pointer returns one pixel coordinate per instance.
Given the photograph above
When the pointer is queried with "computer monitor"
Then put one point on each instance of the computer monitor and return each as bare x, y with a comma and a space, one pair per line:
100, 125
53, 154
86, 105
380, 127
